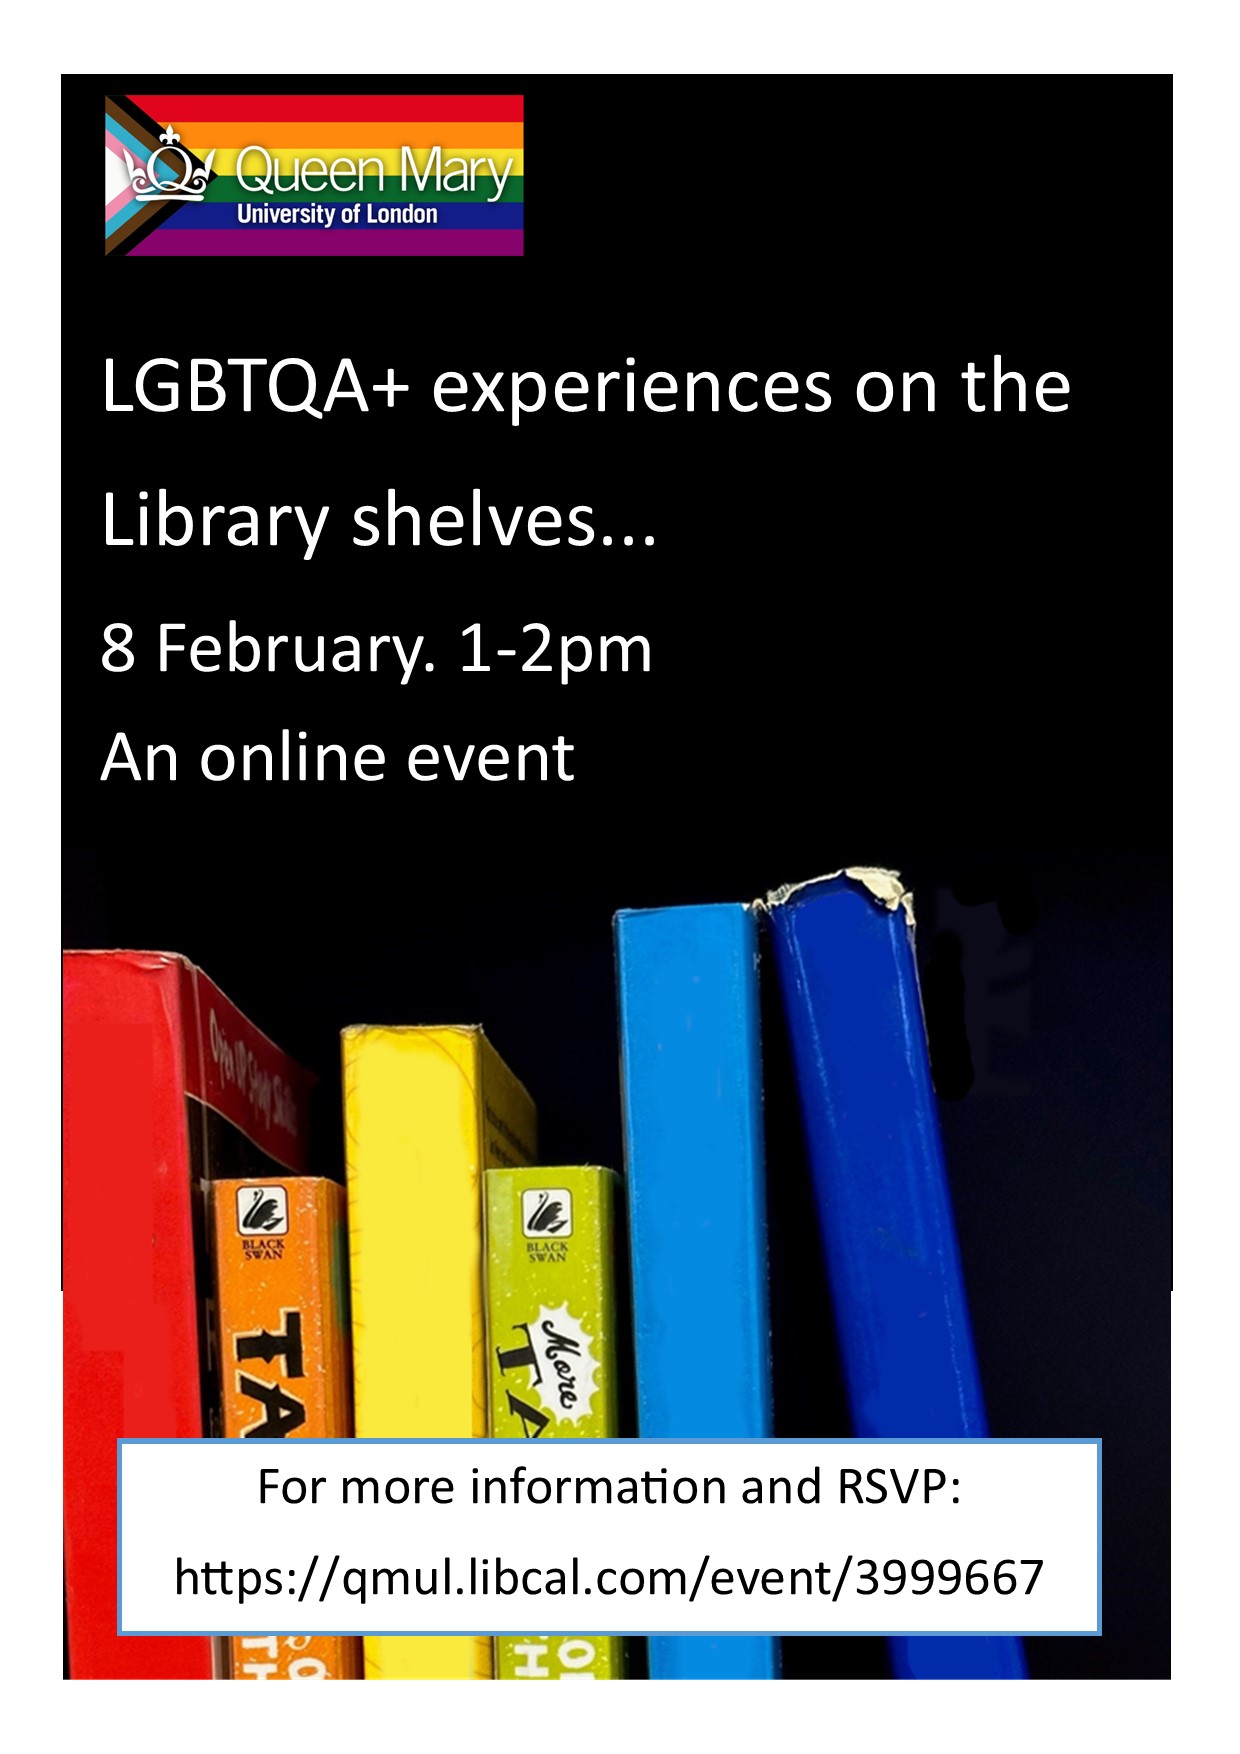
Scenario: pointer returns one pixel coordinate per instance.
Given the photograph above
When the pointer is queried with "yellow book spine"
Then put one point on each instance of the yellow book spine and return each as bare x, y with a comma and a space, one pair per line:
426, 1110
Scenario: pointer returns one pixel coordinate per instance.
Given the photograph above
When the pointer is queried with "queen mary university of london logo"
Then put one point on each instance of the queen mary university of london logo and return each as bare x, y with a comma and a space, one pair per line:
169, 174
315, 174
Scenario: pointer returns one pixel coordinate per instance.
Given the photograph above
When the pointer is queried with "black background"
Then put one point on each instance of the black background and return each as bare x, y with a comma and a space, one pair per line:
933, 642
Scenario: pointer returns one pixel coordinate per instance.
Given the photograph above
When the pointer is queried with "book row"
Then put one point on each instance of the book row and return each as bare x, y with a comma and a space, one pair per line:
213, 1287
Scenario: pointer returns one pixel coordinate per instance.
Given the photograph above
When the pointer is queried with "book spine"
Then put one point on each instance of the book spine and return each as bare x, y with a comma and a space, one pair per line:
847, 971
692, 1088
255, 1100
551, 1343
425, 1111
131, 1321
281, 1277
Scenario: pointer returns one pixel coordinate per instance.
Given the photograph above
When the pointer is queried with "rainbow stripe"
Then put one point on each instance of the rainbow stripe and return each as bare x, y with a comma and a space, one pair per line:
372, 216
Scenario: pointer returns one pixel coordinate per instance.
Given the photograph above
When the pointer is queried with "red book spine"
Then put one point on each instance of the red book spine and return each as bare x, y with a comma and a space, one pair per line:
131, 1321
162, 1077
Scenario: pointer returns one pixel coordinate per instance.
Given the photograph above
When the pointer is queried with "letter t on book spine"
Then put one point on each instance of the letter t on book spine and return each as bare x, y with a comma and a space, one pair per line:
844, 952
692, 1086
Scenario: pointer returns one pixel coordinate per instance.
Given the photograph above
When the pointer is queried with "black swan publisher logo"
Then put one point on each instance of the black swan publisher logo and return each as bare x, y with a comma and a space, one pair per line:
546, 1212
262, 1211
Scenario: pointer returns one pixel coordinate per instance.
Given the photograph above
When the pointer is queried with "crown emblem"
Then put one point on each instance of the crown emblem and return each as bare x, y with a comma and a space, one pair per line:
169, 174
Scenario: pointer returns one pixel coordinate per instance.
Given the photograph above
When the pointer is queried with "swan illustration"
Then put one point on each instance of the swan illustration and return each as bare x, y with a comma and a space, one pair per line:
546, 1216
264, 1214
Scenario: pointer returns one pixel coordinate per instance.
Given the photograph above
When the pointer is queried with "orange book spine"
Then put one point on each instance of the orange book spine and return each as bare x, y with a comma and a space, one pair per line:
281, 1277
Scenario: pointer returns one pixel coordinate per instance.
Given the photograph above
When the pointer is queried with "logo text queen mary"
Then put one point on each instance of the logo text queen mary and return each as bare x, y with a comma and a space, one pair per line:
188, 174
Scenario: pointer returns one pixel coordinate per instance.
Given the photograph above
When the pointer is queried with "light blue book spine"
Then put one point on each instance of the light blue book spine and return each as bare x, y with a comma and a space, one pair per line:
692, 1087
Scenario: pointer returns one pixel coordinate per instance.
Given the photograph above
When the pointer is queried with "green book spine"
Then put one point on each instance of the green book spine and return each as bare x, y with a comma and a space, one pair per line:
551, 1341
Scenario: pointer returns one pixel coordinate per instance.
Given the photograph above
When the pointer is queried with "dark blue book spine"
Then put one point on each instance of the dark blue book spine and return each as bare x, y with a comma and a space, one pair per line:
847, 971
692, 1088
